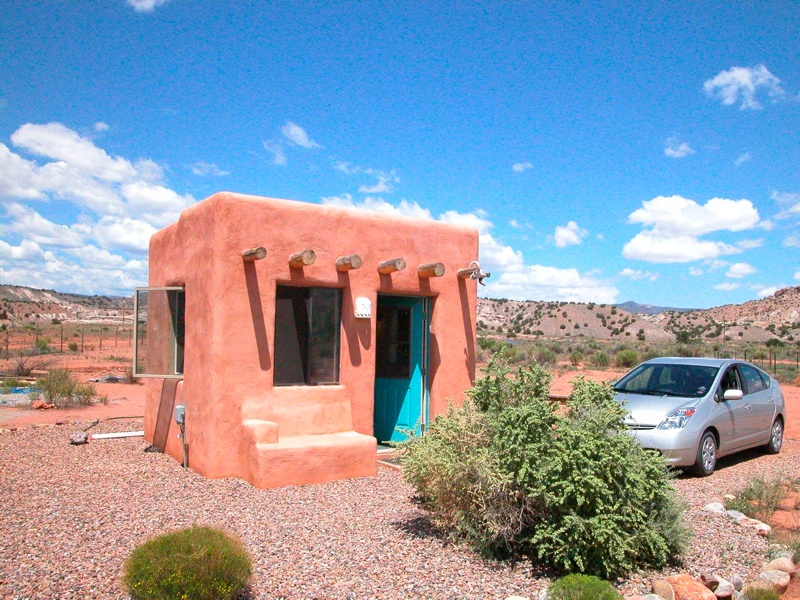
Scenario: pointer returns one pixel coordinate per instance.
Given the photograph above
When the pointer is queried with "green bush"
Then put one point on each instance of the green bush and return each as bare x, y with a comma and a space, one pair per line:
201, 563
599, 359
582, 587
73, 346
626, 358
514, 474
576, 357
546, 358
59, 387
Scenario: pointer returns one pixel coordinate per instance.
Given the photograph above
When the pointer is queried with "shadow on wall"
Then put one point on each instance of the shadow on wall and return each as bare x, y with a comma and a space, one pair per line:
361, 333
166, 407
469, 349
259, 326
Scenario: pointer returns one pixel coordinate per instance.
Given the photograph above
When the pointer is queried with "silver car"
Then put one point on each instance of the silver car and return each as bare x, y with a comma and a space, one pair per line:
695, 410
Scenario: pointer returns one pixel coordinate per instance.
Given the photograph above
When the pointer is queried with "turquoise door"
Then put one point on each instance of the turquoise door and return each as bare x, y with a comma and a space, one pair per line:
400, 367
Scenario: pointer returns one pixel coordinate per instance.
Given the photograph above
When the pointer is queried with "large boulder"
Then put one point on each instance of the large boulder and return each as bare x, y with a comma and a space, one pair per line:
688, 588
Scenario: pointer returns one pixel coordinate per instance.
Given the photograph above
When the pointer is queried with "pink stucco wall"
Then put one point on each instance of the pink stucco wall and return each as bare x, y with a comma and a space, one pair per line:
237, 422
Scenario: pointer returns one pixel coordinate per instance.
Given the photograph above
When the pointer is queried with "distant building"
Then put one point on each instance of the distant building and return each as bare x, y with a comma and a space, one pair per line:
298, 336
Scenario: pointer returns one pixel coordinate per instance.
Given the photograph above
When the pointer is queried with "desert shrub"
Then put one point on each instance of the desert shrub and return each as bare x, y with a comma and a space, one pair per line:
576, 357
59, 387
26, 362
201, 563
651, 353
73, 346
42, 346
759, 499
514, 474
599, 359
626, 358
582, 587
546, 358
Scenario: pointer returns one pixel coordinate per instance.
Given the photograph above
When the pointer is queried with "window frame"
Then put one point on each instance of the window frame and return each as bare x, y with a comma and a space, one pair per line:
174, 343
305, 349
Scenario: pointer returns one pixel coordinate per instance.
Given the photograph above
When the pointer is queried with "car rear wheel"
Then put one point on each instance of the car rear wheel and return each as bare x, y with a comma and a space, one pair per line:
706, 460
775, 438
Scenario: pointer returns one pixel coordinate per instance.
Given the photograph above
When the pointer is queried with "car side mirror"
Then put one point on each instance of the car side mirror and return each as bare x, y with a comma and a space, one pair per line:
733, 395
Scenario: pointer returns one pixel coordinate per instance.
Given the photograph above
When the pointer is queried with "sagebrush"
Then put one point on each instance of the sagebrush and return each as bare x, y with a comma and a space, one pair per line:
515, 474
201, 563
59, 387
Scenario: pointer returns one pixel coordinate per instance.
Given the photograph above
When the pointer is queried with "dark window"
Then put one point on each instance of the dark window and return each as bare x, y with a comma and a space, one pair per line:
160, 317
307, 324
393, 350
752, 379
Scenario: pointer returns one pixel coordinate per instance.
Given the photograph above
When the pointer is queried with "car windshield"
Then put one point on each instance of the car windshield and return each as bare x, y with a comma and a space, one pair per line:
668, 379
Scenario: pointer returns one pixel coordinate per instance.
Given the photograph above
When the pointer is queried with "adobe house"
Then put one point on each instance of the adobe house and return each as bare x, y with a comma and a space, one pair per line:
298, 336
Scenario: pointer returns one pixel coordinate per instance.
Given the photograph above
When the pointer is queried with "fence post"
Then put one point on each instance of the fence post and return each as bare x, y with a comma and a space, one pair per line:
82, 332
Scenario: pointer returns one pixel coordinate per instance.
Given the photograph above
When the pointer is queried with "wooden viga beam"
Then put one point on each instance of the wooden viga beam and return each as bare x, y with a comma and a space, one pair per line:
346, 263
256, 253
467, 272
298, 260
390, 266
428, 270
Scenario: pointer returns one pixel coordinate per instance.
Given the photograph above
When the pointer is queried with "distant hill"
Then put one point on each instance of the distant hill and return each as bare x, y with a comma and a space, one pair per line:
777, 316
647, 309
20, 304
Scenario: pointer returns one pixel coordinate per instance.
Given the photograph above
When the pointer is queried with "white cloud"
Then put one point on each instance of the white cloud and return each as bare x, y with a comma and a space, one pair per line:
381, 187
569, 235
744, 83
57, 142
739, 270
763, 292
743, 158
675, 149
108, 207
792, 241
797, 276
675, 225
146, 5
511, 277
298, 136
695, 271
520, 167
749, 244
204, 169
125, 233
638, 275
727, 286
278, 155
100, 126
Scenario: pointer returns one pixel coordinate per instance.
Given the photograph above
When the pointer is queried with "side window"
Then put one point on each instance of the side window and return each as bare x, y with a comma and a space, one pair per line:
730, 381
752, 379
160, 317
307, 325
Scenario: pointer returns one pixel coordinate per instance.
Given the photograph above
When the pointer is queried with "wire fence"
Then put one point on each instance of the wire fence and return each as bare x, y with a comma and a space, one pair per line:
64, 337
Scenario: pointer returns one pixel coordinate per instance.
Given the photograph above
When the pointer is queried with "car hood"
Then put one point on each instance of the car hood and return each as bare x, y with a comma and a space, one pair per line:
651, 410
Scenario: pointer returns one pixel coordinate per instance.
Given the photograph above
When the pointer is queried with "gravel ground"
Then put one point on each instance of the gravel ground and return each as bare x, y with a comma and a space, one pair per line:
71, 514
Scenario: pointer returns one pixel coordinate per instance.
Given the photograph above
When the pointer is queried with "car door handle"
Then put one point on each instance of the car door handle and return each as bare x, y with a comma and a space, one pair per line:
747, 407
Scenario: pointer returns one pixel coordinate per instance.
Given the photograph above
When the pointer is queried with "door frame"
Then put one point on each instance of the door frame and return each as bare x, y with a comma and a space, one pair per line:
424, 342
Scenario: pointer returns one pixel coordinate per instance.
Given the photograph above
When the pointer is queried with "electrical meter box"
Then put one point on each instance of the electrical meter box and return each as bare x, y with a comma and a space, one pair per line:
180, 414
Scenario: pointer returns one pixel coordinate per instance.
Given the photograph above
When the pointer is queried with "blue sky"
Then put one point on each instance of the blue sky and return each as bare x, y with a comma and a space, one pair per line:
605, 151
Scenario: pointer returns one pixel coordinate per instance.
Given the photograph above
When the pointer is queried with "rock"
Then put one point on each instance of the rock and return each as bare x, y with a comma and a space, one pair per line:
724, 589
688, 588
736, 515
785, 554
37, 405
782, 563
513, 597
653, 597
777, 581
78, 438
663, 589
763, 530
729, 497
544, 594
709, 581
715, 507
737, 581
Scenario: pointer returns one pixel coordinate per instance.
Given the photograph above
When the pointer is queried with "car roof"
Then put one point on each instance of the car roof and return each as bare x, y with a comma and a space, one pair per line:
702, 362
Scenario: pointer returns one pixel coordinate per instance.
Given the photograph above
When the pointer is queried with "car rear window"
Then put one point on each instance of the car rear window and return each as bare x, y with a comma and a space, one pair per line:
753, 379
